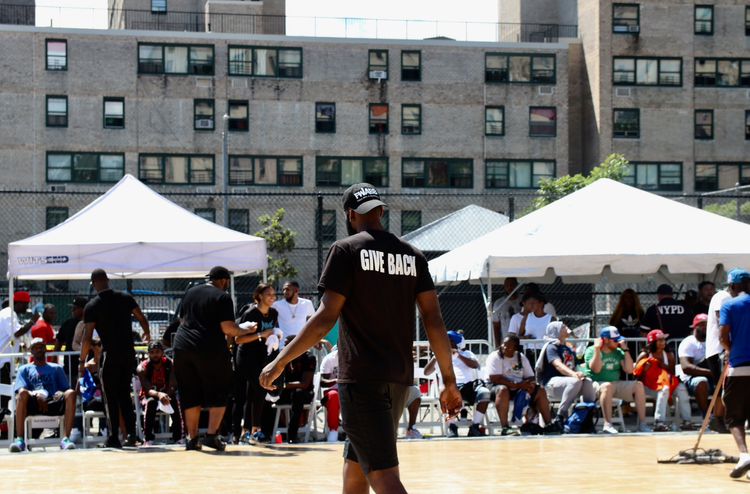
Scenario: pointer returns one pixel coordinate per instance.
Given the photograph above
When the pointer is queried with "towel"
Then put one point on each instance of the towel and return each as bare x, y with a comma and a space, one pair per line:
273, 341
520, 402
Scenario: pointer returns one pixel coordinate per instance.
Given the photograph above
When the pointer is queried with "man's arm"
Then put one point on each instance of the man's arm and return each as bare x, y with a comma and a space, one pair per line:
470, 362
430, 367
143, 322
304, 383
313, 331
231, 329
88, 332
497, 333
689, 368
437, 335
26, 327
724, 337
326, 381
595, 364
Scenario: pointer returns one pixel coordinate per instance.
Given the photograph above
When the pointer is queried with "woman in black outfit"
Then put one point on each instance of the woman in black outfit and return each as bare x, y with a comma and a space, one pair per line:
252, 356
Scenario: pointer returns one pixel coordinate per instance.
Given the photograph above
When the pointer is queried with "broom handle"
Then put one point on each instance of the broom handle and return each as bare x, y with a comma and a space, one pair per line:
711, 405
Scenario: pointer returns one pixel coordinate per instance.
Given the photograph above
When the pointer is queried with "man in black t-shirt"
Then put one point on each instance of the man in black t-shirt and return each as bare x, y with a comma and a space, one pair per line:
65, 337
674, 317
298, 388
110, 314
372, 280
202, 362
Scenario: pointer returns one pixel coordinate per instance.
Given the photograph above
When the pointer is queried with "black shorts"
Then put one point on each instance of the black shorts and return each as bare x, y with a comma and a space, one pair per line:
370, 413
737, 401
474, 392
203, 379
55, 406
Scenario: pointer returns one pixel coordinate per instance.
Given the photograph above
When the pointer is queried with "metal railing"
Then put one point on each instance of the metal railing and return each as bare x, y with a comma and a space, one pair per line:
329, 27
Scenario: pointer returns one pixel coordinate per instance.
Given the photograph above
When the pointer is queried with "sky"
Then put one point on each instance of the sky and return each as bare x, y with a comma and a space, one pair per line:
92, 13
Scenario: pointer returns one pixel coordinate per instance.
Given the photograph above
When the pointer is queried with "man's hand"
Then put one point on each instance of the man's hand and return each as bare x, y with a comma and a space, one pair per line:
163, 398
42, 403
646, 366
623, 344
81, 367
146, 337
35, 316
598, 343
580, 376
269, 374
450, 400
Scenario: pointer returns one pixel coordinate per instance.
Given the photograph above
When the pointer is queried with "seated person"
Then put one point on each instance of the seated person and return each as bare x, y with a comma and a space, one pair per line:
158, 385
473, 391
42, 389
329, 373
604, 361
509, 372
298, 389
515, 321
694, 371
413, 402
559, 375
655, 368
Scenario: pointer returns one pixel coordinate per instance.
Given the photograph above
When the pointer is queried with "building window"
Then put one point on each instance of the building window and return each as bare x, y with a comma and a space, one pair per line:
625, 18
378, 64
57, 54
647, 71
536, 69
158, 6
176, 169
55, 216
704, 124
655, 176
385, 220
720, 176
714, 72
265, 170
114, 113
325, 118
517, 174
85, 167
410, 221
265, 61
627, 123
542, 122
239, 220
411, 66
341, 171
175, 59
453, 173
239, 120
494, 121
747, 124
704, 19
328, 232
57, 111
206, 213
378, 118
411, 119
203, 114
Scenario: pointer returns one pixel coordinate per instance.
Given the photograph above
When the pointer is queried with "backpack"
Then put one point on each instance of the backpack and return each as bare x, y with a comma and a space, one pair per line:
583, 419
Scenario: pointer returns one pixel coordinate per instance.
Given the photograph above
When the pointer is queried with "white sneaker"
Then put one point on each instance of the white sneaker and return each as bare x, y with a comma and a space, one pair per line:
148, 443
414, 434
75, 436
643, 427
609, 429
180, 441
333, 436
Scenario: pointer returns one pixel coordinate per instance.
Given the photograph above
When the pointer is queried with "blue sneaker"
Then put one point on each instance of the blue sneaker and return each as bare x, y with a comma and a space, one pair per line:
258, 437
246, 437
17, 446
67, 444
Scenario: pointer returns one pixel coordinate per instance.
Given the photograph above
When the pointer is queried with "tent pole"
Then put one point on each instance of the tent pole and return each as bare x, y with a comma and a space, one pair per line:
10, 304
490, 333
265, 276
232, 292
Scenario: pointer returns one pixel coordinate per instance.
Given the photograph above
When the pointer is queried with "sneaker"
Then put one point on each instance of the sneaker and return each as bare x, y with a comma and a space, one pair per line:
414, 434
193, 445
180, 441
75, 436
475, 431
131, 441
333, 436
740, 469
17, 446
661, 427
716, 424
258, 437
148, 443
551, 430
112, 442
214, 441
687, 426
272, 398
66, 444
559, 423
452, 430
509, 431
245, 438
609, 429
643, 427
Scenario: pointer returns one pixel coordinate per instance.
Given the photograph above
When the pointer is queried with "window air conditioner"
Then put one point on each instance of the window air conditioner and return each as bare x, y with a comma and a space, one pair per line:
634, 29
378, 74
204, 123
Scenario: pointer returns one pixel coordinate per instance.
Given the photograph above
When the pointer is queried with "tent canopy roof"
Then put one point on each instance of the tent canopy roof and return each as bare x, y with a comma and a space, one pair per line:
456, 229
133, 232
606, 229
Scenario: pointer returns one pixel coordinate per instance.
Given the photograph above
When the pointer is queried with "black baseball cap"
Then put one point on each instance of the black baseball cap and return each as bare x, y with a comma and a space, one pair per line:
219, 273
79, 302
155, 344
362, 198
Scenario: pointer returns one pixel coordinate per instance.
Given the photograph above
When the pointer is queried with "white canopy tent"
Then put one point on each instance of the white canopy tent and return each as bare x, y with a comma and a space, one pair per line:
606, 229
133, 232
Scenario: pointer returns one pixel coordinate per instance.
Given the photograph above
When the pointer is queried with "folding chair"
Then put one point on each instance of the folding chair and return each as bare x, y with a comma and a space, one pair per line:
89, 438
140, 414
287, 409
430, 401
7, 390
42, 422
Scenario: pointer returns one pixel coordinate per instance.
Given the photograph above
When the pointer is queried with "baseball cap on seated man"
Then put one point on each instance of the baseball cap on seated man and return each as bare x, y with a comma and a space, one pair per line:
219, 273
698, 318
655, 334
21, 296
362, 198
610, 332
736, 275
455, 337
37, 341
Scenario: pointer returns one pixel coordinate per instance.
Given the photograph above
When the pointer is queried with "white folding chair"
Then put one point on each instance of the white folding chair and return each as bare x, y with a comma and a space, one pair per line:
42, 422
431, 401
89, 438
7, 390
287, 409
140, 413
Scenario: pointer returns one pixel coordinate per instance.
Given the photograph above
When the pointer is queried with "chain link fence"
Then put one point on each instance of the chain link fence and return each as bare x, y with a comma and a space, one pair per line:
318, 221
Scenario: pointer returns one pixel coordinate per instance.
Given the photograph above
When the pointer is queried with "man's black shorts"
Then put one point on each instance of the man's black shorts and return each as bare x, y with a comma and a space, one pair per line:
370, 413
203, 379
736, 400
55, 406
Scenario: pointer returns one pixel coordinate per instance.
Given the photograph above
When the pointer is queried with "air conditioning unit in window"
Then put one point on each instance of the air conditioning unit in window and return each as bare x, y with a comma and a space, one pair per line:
203, 82
57, 188
546, 90
239, 83
204, 190
378, 74
204, 123
634, 29
623, 92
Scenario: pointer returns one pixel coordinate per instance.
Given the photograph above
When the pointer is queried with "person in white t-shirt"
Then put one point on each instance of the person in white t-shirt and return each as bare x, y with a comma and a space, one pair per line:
293, 311
534, 323
508, 372
329, 375
694, 371
10, 332
714, 349
473, 391
515, 322
504, 309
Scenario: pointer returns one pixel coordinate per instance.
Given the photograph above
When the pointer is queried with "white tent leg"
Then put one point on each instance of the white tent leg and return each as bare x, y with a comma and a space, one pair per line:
232, 292
10, 302
265, 276
490, 332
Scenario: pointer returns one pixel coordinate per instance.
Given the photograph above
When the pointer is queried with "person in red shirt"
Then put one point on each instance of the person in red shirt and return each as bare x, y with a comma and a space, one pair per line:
43, 327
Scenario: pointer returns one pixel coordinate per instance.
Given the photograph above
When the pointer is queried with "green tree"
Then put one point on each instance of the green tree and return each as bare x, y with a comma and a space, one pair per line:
551, 189
729, 209
279, 241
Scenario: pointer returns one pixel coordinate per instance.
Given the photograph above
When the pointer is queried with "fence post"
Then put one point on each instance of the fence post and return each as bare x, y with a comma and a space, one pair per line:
511, 209
737, 200
319, 233
700, 202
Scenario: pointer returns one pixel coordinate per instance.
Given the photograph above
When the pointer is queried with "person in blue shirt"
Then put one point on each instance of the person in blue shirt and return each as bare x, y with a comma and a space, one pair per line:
42, 389
734, 336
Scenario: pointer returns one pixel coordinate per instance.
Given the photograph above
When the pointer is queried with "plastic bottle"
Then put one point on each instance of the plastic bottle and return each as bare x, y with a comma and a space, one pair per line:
277, 437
